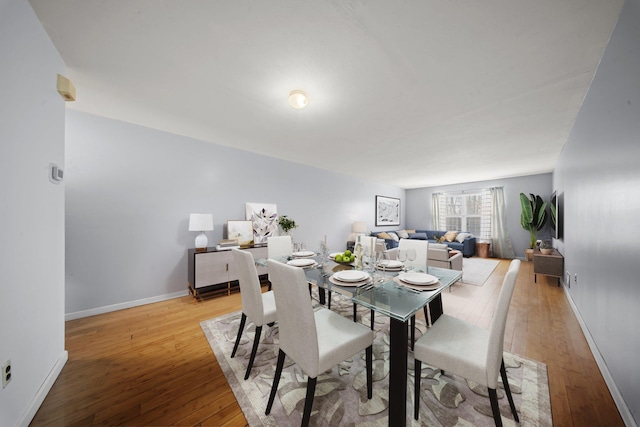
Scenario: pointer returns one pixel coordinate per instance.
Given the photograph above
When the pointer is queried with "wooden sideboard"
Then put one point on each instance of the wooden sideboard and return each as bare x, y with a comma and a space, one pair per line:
548, 265
214, 270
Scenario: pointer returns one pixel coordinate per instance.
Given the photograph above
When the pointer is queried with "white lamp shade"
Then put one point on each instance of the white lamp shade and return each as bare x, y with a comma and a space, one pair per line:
359, 227
200, 222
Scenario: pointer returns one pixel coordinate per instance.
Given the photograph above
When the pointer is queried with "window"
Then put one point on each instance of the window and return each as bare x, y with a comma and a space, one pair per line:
468, 211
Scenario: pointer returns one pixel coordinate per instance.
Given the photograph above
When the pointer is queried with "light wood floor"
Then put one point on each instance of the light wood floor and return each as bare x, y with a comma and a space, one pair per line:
152, 365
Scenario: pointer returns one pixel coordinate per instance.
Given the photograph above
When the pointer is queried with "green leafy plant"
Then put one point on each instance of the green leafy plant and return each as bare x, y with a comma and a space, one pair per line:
287, 224
534, 215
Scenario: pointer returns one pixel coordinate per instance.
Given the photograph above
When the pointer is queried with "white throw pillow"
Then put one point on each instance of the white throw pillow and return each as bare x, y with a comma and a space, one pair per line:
393, 235
462, 236
403, 234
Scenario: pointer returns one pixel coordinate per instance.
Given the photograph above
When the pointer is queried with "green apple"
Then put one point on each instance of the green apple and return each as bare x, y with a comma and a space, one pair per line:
339, 258
347, 253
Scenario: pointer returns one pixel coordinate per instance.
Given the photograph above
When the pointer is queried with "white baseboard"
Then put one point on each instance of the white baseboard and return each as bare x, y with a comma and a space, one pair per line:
122, 306
42, 392
608, 379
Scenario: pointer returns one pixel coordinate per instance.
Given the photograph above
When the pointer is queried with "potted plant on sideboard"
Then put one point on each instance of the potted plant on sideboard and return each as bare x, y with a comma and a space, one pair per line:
532, 219
286, 224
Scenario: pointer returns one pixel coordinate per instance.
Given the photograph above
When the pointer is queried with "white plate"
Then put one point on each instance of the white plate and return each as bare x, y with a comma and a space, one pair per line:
350, 276
388, 270
333, 280
431, 287
303, 262
392, 263
418, 278
303, 254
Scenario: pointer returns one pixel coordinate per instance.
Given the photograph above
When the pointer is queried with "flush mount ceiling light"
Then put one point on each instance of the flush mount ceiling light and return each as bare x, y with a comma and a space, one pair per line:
298, 99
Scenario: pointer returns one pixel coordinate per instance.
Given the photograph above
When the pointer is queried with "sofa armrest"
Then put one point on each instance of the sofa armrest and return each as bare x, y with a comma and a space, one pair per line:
456, 261
469, 246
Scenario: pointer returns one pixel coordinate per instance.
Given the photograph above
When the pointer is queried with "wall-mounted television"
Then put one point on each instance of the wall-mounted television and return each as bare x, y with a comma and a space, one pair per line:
556, 214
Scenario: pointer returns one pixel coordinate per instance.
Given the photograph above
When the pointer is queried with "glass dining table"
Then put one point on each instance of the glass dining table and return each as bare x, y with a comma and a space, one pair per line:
400, 303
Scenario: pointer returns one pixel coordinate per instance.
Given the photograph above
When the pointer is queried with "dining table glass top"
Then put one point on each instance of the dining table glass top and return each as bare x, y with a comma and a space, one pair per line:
383, 294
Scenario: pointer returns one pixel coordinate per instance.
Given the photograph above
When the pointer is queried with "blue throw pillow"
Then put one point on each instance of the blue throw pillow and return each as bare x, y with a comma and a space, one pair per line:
418, 236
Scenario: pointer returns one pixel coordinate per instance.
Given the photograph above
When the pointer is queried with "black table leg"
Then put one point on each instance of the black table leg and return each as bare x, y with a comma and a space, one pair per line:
398, 373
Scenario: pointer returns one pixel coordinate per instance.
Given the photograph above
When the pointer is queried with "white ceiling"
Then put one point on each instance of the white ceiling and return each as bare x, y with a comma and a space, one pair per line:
407, 93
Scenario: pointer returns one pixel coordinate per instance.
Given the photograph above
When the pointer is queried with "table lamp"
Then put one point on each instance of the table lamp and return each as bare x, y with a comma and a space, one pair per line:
358, 227
201, 223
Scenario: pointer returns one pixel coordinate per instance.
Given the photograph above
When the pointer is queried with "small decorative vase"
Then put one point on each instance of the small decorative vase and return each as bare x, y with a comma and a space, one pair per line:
546, 248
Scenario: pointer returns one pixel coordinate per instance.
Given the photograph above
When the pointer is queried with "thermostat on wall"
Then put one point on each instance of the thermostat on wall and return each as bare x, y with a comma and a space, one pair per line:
55, 173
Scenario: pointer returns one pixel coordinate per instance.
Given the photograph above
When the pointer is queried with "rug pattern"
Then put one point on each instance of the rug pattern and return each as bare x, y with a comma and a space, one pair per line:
341, 399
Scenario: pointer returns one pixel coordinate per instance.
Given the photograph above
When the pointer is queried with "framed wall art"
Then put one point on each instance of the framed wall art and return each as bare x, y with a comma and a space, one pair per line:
264, 217
387, 211
242, 231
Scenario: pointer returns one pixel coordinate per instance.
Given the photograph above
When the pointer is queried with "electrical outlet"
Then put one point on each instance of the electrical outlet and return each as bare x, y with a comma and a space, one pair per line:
6, 373
575, 279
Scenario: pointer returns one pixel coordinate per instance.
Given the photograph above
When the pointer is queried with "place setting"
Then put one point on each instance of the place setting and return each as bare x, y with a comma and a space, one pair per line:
390, 265
300, 251
351, 278
303, 262
417, 281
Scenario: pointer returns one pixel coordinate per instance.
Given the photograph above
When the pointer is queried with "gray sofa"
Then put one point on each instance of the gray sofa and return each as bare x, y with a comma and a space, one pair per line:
465, 243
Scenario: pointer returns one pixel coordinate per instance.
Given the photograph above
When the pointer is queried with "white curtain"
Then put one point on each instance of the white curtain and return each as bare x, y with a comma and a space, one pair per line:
501, 243
435, 210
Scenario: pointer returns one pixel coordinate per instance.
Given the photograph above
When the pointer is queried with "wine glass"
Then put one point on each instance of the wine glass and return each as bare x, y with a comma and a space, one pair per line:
368, 262
411, 256
402, 256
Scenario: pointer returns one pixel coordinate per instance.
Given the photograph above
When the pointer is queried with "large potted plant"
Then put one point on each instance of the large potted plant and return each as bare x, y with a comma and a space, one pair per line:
532, 219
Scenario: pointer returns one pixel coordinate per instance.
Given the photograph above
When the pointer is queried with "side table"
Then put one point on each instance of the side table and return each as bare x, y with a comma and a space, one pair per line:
483, 249
548, 265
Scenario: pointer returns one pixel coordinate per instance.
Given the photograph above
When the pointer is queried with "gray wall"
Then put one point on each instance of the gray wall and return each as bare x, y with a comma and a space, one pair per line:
31, 213
419, 204
130, 191
599, 176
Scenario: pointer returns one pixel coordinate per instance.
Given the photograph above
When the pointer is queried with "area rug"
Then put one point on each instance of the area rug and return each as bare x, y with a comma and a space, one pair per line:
341, 399
476, 271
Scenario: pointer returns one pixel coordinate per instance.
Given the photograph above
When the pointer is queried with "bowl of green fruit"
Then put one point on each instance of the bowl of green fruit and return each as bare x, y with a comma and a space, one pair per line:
345, 257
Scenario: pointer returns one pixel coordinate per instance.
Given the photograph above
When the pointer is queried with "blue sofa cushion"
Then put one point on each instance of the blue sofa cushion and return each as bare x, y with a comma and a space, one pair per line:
418, 236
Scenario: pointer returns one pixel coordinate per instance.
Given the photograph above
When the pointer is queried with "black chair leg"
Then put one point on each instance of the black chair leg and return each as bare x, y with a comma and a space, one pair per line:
308, 402
372, 318
276, 380
369, 353
507, 389
355, 314
329, 303
493, 397
413, 331
243, 319
416, 402
254, 350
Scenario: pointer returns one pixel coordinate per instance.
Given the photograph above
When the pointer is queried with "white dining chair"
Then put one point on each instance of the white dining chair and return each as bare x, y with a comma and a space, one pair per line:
470, 351
315, 340
259, 307
421, 247
279, 247
367, 243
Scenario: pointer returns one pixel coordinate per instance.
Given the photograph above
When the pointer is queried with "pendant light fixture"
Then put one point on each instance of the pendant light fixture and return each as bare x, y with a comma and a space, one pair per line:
298, 99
